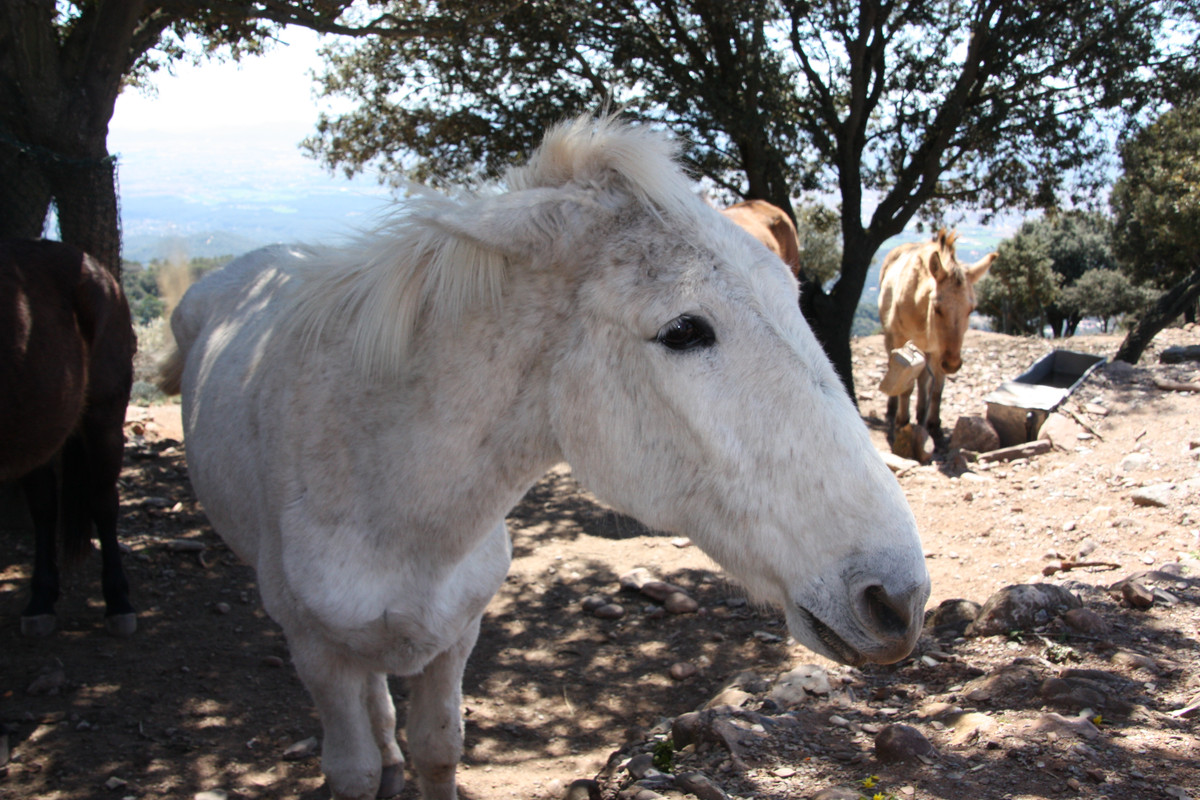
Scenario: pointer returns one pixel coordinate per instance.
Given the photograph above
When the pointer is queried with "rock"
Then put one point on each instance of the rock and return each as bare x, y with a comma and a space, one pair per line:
594, 601
50, 682
1061, 431
211, 794
903, 743
838, 793
729, 696
974, 433
680, 603
583, 789
897, 464
1134, 462
1009, 682
1158, 495
913, 442
1021, 607
305, 748
1179, 354
114, 783
795, 687
1080, 726
1072, 694
639, 765
1087, 622
609, 611
952, 616
1136, 594
682, 670
700, 785
969, 726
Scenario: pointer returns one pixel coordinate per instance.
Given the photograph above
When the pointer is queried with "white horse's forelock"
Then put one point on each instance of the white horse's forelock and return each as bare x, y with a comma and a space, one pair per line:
381, 285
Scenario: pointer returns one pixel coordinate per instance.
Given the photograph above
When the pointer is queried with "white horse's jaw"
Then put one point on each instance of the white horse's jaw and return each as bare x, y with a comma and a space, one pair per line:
878, 619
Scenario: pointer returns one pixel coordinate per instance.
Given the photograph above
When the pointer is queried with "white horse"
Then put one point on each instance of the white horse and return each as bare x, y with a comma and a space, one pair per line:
359, 421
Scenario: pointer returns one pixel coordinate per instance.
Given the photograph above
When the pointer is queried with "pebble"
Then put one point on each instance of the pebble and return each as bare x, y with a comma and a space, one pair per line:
114, 783
222, 608
700, 785
609, 611
682, 670
302, 749
594, 601
680, 603
1158, 495
838, 793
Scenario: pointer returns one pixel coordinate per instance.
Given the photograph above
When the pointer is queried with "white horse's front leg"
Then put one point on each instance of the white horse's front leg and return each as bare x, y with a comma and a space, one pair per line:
382, 711
350, 755
435, 729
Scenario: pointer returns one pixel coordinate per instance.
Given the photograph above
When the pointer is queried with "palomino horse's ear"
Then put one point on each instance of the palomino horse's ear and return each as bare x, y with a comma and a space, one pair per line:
935, 266
980, 267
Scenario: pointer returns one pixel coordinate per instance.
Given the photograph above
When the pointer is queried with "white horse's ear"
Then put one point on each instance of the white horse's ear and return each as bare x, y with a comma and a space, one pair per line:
513, 224
980, 267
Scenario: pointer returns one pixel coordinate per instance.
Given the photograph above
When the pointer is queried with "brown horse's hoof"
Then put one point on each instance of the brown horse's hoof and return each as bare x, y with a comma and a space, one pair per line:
38, 626
121, 625
391, 781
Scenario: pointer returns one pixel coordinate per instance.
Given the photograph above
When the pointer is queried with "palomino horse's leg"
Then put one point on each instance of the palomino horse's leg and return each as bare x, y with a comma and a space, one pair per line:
105, 446
350, 757
40, 488
924, 381
383, 722
435, 729
934, 413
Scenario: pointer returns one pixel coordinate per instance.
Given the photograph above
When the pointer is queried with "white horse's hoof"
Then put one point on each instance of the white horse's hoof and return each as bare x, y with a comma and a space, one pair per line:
121, 625
38, 626
391, 781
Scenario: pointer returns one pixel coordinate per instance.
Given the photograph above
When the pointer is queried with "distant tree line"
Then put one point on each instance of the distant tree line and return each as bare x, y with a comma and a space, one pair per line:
143, 283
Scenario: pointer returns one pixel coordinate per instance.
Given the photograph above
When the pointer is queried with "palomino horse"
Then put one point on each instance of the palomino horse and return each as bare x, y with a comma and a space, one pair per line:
926, 296
771, 225
359, 421
66, 368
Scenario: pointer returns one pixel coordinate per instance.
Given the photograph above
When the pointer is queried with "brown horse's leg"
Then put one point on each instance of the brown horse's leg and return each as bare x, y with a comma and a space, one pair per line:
41, 496
102, 454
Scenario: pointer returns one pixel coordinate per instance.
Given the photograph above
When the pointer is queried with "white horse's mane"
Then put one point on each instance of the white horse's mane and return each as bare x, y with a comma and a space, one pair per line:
381, 285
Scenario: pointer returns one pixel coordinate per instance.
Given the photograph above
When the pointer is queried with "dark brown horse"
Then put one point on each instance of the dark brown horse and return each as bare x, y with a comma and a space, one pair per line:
66, 368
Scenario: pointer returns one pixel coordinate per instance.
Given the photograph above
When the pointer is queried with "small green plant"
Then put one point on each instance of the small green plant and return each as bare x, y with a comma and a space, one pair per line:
664, 756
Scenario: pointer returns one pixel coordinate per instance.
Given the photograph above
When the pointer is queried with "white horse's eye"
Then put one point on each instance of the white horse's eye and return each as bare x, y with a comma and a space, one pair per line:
686, 332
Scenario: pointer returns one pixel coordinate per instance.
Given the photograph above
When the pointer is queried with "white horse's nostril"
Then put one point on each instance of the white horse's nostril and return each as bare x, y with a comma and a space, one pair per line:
890, 617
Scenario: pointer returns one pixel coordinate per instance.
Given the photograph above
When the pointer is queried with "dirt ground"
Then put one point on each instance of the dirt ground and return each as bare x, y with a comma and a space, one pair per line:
203, 703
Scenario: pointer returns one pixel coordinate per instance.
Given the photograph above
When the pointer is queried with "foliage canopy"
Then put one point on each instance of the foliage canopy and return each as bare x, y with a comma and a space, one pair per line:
896, 109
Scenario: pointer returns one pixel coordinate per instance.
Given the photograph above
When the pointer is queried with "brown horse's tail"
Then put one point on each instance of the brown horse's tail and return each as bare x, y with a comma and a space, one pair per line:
170, 373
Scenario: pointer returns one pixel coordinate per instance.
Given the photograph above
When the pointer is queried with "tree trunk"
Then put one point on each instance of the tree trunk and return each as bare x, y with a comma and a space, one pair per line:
831, 315
1169, 305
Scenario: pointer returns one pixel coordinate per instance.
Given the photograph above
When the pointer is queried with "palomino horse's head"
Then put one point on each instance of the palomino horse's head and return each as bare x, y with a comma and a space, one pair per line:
686, 389
953, 298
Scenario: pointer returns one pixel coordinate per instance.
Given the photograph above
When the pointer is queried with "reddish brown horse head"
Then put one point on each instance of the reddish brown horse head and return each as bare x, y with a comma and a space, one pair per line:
66, 368
771, 225
926, 297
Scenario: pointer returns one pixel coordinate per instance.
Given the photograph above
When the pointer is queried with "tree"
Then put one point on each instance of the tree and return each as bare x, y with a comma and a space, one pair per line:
1080, 243
1021, 283
63, 63
898, 107
1156, 204
1103, 293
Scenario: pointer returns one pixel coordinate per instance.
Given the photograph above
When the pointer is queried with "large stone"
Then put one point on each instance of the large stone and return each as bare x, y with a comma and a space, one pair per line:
913, 442
1022, 607
903, 743
1061, 431
974, 433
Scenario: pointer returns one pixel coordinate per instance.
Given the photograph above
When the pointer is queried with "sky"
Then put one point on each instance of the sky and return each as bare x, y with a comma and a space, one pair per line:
218, 143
